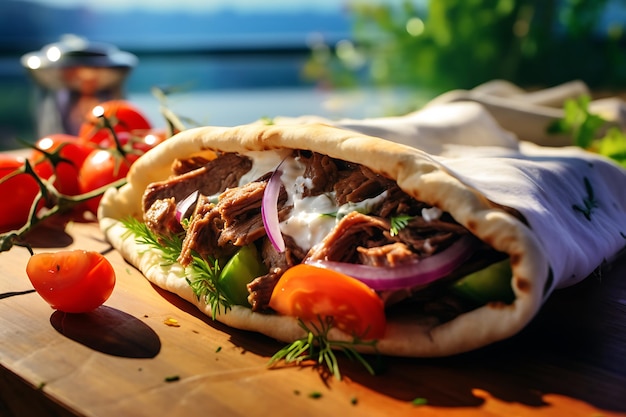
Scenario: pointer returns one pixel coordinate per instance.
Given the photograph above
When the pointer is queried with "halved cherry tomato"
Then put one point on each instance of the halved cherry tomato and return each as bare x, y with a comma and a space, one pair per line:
123, 116
18, 193
309, 293
102, 167
73, 149
74, 281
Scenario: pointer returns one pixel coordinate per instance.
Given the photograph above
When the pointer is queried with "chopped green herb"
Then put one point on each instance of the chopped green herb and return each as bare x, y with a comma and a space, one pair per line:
172, 378
354, 400
315, 394
419, 401
219, 348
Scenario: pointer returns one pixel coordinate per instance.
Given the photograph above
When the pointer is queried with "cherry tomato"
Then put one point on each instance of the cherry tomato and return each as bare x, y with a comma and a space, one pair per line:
102, 167
123, 116
73, 150
18, 193
73, 281
309, 293
141, 140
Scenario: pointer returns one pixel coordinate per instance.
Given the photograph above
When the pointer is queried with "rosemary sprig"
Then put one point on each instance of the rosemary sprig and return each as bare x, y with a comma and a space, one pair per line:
202, 274
317, 346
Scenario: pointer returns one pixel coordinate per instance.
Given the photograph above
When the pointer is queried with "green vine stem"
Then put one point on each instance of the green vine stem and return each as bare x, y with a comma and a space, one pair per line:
58, 202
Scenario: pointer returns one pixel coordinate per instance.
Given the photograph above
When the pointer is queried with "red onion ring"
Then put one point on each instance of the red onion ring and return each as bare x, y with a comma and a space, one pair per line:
183, 206
269, 210
409, 275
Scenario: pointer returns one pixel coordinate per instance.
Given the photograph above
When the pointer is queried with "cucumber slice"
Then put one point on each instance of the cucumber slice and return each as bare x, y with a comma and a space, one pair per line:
489, 284
240, 270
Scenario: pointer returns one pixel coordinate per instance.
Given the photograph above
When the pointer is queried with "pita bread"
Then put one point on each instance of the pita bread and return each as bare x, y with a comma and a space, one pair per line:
559, 245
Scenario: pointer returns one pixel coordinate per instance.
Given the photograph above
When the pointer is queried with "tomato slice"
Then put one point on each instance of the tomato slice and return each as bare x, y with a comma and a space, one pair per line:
310, 292
75, 281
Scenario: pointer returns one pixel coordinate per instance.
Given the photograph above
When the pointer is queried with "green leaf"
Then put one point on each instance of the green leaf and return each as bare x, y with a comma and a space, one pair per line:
613, 145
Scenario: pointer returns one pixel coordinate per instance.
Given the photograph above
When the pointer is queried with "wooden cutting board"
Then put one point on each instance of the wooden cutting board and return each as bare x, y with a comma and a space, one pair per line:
126, 359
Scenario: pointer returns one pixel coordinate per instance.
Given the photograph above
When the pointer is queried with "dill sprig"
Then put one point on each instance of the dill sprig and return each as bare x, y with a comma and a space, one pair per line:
203, 278
170, 246
202, 274
398, 223
317, 346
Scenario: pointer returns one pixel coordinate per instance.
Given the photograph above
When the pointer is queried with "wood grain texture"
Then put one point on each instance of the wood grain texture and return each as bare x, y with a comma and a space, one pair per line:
123, 360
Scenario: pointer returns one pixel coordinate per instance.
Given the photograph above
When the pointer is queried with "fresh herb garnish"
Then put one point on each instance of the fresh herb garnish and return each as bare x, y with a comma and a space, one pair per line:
318, 347
203, 279
202, 274
398, 223
170, 246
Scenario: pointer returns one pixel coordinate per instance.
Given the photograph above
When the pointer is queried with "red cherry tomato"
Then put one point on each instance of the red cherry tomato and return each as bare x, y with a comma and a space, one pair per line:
102, 167
75, 281
18, 193
141, 141
123, 116
73, 150
309, 293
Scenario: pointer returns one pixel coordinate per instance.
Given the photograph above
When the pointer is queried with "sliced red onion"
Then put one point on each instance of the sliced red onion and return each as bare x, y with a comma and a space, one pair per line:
409, 275
182, 207
269, 210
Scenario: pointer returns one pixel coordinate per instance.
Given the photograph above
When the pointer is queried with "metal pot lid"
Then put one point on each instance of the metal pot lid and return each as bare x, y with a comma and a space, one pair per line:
75, 51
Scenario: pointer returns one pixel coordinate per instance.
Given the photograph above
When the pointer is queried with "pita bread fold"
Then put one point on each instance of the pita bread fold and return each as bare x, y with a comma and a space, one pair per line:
556, 245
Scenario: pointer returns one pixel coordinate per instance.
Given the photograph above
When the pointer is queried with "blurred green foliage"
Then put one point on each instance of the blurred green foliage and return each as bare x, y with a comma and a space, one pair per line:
591, 131
448, 44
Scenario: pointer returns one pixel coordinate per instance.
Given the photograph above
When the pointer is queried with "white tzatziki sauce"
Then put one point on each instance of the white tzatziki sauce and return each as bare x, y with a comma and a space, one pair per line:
262, 163
312, 218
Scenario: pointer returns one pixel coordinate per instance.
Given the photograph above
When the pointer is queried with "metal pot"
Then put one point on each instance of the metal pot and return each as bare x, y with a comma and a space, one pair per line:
72, 76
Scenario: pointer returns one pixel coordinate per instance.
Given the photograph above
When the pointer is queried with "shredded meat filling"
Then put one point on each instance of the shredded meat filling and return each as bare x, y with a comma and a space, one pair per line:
202, 233
213, 177
219, 226
261, 288
161, 217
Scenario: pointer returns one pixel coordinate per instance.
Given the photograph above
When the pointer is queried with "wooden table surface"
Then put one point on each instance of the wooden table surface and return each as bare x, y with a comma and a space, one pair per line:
123, 360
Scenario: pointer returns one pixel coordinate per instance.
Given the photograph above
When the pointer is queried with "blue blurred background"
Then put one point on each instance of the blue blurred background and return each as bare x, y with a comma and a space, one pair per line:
234, 61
